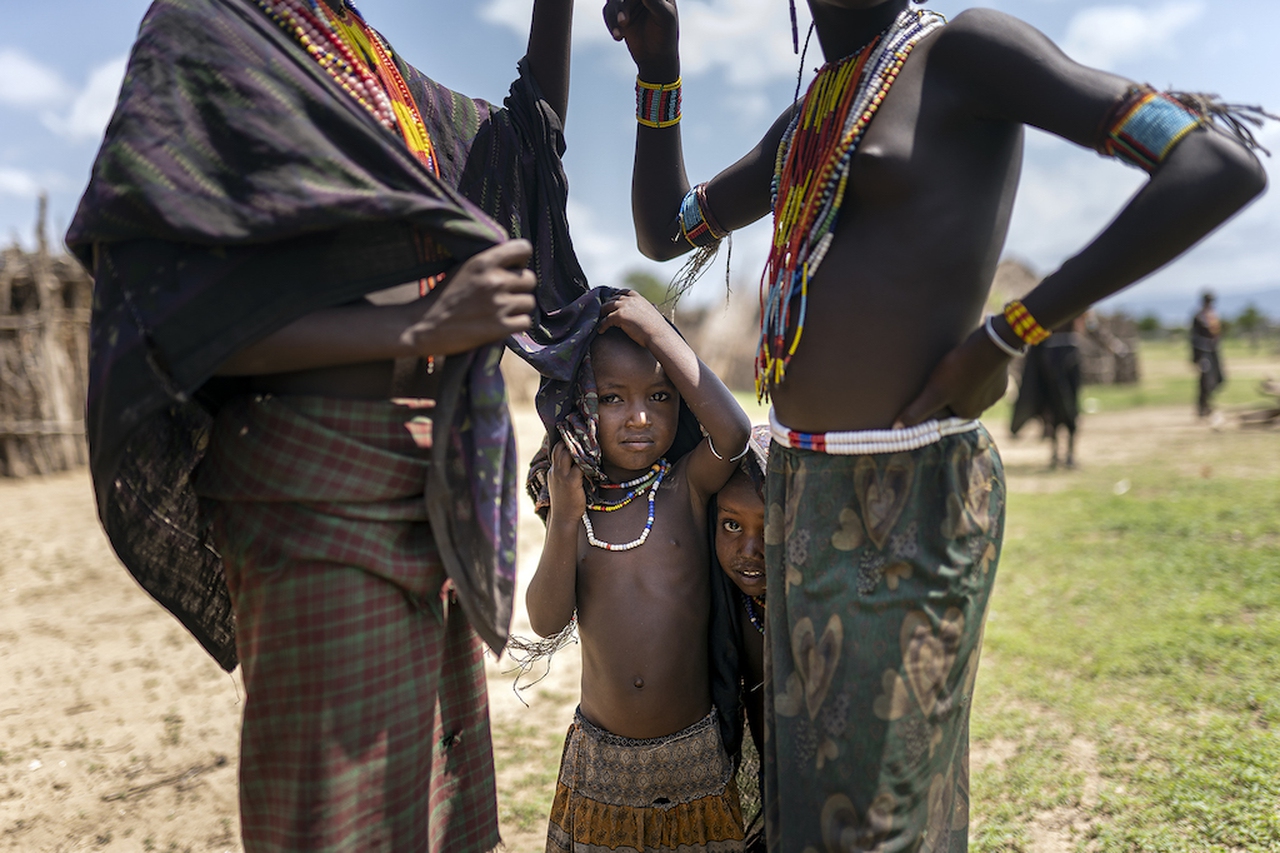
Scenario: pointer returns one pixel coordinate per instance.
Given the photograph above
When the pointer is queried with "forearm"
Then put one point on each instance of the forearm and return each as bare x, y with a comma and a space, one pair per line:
711, 402
550, 40
1204, 181
658, 179
334, 337
552, 595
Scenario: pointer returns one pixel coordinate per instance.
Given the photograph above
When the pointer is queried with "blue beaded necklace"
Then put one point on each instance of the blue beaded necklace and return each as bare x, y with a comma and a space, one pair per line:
663, 466
752, 602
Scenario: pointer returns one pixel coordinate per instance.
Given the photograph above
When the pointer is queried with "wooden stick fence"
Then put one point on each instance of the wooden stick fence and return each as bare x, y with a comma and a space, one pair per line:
44, 357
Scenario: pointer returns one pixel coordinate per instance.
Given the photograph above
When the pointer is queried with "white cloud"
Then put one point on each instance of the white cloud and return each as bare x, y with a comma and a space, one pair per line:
26, 83
92, 108
1109, 36
749, 40
18, 183
515, 15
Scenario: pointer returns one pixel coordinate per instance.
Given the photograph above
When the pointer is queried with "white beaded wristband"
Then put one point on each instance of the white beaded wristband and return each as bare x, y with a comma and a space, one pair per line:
1011, 351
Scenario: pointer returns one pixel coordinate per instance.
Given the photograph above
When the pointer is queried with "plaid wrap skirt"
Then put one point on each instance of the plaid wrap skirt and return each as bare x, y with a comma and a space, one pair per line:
366, 722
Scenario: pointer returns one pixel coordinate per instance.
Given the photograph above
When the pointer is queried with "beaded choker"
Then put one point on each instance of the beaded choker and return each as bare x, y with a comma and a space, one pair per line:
756, 616
633, 489
653, 480
810, 178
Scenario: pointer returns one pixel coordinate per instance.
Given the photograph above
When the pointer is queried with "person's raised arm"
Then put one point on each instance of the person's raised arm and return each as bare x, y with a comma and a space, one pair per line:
713, 462
487, 298
736, 197
550, 38
553, 591
1008, 71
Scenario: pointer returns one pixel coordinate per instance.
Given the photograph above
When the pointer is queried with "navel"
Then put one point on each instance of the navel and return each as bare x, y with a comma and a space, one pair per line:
639, 684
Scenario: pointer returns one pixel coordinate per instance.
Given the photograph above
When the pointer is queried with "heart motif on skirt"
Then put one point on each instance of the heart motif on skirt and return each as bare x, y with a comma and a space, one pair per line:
927, 657
850, 536
816, 659
883, 493
843, 830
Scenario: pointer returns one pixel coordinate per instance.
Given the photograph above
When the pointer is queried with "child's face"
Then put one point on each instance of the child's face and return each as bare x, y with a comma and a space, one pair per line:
740, 534
639, 407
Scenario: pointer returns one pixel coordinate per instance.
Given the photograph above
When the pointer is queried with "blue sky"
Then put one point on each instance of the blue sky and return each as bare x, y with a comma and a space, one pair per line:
61, 62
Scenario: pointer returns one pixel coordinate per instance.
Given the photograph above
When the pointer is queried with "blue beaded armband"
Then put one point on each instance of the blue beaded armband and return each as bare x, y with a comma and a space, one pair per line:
1145, 126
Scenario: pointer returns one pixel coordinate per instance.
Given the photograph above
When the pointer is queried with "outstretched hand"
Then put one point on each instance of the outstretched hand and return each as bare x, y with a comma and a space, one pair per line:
651, 29
969, 380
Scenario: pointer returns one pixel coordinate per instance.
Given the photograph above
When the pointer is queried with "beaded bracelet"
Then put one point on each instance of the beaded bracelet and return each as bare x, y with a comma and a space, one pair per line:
696, 222
1024, 325
1011, 351
1145, 126
658, 104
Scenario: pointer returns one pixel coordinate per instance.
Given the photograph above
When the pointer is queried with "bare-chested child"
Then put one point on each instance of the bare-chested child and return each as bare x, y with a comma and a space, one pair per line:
891, 185
643, 768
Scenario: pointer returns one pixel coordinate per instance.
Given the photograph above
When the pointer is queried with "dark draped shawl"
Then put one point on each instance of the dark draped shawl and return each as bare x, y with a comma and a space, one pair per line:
239, 188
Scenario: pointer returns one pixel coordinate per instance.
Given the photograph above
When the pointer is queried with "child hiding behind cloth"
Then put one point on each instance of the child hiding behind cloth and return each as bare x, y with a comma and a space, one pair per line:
644, 768
737, 624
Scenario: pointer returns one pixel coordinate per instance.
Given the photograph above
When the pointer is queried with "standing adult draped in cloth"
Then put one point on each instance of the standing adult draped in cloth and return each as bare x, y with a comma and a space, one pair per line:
308, 461
891, 185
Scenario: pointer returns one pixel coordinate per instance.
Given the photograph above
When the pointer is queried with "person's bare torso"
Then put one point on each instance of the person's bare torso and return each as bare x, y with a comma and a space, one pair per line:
643, 615
915, 252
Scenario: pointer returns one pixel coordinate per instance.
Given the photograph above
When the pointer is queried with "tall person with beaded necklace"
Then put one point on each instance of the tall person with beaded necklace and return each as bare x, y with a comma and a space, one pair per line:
891, 185
309, 258
644, 766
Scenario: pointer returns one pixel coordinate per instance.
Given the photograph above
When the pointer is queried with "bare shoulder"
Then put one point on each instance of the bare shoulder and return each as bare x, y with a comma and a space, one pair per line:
972, 34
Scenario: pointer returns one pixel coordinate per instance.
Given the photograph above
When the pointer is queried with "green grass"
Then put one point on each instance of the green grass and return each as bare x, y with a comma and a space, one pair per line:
1146, 625
527, 762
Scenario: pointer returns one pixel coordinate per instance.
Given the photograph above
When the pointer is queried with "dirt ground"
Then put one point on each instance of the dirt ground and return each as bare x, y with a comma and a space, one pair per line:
118, 733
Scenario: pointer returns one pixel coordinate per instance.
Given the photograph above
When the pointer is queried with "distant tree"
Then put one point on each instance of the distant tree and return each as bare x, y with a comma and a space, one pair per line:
1150, 326
647, 285
1251, 322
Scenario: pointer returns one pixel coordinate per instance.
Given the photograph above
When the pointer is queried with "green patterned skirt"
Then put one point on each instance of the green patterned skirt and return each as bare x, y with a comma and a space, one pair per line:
880, 568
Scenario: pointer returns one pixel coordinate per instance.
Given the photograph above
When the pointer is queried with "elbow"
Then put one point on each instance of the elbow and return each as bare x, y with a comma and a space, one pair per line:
544, 627
657, 247
1240, 175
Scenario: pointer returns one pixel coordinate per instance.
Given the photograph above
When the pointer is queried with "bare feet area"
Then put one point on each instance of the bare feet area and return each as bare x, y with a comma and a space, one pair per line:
118, 733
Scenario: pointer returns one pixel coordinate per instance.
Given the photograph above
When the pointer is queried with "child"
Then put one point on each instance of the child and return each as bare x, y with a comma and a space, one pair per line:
892, 185
643, 766
737, 622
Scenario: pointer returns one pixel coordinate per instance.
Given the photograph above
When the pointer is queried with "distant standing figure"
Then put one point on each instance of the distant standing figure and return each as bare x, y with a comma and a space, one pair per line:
1206, 330
1050, 389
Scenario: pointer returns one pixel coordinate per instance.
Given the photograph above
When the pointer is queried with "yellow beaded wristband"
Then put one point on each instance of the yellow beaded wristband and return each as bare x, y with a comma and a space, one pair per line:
658, 104
1024, 325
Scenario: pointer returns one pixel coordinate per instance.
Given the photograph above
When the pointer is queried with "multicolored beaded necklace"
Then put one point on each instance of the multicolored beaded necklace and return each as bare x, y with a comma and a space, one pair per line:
335, 40
752, 602
810, 178
654, 481
634, 489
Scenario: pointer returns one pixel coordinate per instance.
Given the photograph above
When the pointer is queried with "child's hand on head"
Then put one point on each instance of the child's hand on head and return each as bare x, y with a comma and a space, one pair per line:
635, 315
568, 496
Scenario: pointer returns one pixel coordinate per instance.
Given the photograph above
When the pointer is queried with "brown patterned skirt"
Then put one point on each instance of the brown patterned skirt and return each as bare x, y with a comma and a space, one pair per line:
673, 794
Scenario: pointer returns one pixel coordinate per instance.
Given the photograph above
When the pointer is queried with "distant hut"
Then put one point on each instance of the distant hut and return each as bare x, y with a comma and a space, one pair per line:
44, 356
1108, 343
